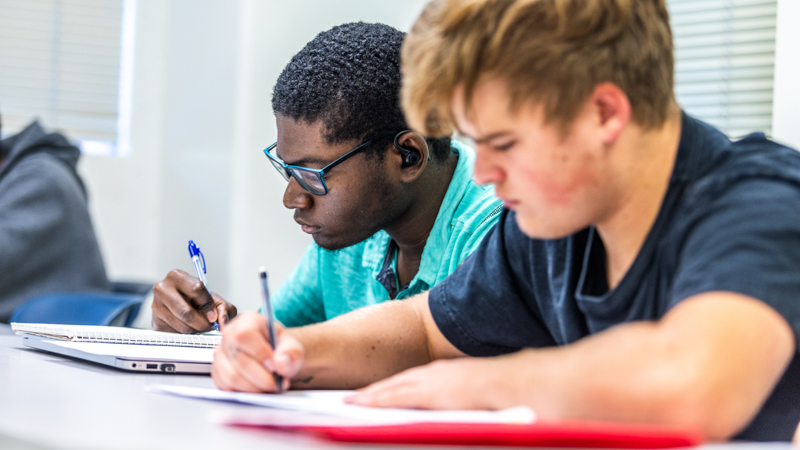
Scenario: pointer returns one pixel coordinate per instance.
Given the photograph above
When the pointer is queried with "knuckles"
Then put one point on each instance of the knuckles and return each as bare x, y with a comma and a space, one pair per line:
197, 289
186, 314
160, 290
175, 274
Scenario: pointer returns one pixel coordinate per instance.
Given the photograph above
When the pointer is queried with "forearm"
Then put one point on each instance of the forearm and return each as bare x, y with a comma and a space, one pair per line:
699, 374
363, 346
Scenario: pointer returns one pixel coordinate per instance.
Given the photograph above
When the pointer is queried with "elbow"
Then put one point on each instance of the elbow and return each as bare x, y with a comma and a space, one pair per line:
698, 403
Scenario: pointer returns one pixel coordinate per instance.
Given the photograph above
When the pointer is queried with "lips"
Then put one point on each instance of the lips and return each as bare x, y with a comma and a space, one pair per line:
509, 204
309, 229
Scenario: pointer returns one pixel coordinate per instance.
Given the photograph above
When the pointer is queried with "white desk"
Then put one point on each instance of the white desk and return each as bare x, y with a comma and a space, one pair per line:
52, 402
48, 401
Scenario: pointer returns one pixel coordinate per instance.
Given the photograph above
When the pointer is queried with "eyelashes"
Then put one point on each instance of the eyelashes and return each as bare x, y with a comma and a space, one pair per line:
503, 147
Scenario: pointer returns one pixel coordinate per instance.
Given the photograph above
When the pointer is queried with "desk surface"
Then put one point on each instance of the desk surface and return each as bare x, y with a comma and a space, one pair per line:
54, 402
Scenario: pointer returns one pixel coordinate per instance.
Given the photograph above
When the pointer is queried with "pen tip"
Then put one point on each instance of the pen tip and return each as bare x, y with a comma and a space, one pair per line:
262, 271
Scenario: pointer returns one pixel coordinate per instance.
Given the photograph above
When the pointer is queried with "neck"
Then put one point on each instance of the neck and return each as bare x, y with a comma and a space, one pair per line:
411, 231
645, 165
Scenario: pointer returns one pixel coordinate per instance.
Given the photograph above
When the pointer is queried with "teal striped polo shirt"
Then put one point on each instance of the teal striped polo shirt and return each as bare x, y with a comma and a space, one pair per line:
327, 283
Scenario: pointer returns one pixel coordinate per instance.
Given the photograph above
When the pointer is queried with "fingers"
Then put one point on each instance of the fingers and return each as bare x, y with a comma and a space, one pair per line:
164, 319
244, 359
178, 304
161, 325
224, 310
407, 389
222, 314
236, 371
289, 354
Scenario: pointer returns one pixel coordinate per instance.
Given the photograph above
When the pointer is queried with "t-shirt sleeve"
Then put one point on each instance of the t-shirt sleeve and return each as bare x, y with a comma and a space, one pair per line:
298, 301
746, 241
485, 308
470, 241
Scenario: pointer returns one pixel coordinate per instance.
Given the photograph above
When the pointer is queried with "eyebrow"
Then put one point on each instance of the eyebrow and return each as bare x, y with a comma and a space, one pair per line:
302, 162
305, 162
486, 138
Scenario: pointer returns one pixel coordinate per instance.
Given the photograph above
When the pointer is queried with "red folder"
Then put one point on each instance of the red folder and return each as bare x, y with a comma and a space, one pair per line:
540, 434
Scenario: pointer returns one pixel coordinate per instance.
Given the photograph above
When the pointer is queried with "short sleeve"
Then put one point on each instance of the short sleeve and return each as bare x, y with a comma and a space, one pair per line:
487, 306
299, 300
469, 241
747, 241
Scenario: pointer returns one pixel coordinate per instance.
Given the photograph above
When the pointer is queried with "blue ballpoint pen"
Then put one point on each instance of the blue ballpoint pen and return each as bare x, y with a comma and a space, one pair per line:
270, 315
196, 254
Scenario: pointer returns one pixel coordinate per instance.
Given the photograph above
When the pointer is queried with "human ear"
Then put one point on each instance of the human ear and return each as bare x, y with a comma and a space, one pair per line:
414, 154
612, 110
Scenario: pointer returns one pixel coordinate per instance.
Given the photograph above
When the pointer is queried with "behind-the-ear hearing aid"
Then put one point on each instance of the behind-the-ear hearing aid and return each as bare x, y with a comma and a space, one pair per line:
411, 156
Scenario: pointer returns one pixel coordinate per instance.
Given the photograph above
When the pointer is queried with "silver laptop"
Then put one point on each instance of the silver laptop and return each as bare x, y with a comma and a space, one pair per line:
132, 357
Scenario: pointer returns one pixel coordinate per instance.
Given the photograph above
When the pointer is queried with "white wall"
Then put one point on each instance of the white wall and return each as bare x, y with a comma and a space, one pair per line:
786, 106
204, 72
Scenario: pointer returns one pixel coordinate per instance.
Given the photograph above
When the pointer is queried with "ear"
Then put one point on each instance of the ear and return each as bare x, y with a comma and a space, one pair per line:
612, 110
412, 142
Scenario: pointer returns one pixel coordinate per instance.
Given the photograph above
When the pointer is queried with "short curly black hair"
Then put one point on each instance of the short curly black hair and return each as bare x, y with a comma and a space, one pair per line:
349, 77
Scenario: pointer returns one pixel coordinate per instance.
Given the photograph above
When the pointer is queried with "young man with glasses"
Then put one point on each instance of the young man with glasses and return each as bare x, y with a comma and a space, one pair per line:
391, 212
647, 268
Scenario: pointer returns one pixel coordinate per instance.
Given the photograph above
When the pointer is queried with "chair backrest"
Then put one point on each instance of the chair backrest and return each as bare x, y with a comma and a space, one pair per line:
131, 287
105, 308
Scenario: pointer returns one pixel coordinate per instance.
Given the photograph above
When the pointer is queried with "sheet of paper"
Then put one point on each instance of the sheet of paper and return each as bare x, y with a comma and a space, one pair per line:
331, 403
152, 352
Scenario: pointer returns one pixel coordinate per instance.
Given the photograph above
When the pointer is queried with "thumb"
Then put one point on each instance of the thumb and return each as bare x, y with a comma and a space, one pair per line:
289, 354
222, 313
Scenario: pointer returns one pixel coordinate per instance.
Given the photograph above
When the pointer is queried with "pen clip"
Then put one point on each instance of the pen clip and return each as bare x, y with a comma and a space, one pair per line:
194, 250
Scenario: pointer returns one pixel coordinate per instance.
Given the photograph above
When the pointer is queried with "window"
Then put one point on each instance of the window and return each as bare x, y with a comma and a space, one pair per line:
725, 61
69, 64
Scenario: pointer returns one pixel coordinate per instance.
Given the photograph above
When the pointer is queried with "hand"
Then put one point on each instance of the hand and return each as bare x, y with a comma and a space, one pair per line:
245, 360
463, 383
181, 304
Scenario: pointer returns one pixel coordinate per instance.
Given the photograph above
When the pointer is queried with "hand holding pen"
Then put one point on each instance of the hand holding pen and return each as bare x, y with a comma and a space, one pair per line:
183, 304
245, 361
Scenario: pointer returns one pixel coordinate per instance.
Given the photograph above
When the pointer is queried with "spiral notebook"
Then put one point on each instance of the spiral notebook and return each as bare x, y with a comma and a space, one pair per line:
124, 348
116, 335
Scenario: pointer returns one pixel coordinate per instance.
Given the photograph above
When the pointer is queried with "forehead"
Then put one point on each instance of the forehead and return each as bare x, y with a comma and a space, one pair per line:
490, 111
303, 142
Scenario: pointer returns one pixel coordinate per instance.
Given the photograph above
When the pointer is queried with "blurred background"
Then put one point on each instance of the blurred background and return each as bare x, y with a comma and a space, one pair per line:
170, 102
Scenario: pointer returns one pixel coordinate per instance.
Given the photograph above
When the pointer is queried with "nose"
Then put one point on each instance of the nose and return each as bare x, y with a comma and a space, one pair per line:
295, 197
486, 168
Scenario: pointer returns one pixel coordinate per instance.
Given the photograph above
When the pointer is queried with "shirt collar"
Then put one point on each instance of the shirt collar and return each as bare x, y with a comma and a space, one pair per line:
436, 244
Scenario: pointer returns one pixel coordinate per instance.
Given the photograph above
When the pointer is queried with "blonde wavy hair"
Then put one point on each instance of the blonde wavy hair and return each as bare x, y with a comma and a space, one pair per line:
551, 52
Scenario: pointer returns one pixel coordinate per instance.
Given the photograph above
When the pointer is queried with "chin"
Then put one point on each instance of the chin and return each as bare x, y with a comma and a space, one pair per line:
535, 228
333, 243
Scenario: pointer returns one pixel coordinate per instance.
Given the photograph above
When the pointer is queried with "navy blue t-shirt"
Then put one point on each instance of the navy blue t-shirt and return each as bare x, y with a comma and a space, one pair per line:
730, 221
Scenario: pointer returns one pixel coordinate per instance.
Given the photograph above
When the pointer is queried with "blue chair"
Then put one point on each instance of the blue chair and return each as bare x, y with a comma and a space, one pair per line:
106, 308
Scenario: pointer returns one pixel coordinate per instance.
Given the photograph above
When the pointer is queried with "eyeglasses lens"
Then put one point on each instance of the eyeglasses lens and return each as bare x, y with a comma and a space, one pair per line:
278, 167
311, 181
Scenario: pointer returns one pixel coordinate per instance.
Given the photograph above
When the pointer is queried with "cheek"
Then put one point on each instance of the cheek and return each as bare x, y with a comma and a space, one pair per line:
559, 181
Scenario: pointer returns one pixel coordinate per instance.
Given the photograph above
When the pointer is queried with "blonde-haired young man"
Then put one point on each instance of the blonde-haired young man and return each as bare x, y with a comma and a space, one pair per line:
646, 269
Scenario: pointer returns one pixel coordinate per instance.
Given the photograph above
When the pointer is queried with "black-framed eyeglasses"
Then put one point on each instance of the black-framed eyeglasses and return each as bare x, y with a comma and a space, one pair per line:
313, 180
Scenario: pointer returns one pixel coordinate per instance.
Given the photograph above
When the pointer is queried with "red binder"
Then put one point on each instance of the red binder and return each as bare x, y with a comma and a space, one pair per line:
540, 434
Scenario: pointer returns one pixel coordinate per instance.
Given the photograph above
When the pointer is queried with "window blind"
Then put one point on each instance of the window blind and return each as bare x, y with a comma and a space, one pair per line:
60, 62
724, 62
